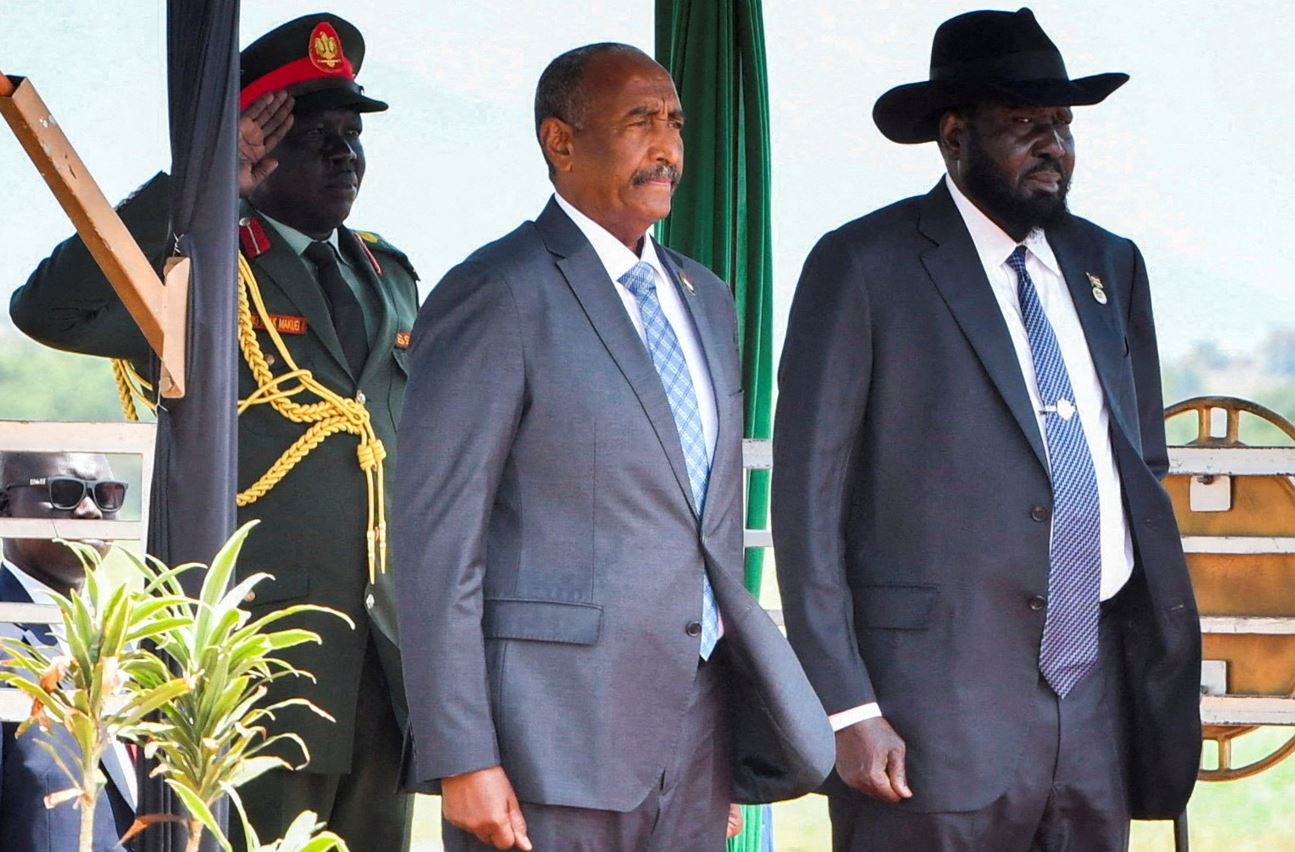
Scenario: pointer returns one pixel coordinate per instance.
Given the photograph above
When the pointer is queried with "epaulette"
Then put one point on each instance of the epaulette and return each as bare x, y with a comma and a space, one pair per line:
252, 237
374, 242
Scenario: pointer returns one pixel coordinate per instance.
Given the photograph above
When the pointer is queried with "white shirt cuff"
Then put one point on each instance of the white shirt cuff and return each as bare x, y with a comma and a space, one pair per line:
846, 718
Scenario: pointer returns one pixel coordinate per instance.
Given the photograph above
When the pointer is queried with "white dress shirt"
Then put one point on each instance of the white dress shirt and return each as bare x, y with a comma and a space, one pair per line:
617, 260
124, 771
994, 246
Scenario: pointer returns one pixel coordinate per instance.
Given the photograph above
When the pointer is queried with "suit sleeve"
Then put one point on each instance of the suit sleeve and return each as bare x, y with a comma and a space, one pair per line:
67, 303
1146, 370
462, 409
823, 383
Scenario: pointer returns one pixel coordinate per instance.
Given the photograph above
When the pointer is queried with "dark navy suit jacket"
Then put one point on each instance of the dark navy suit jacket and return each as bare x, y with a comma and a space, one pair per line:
910, 489
28, 773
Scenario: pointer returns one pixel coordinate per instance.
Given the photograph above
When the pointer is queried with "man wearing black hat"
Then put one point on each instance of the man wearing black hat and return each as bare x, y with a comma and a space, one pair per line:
333, 307
979, 568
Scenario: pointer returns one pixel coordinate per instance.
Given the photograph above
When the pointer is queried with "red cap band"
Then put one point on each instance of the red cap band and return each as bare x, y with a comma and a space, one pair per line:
290, 75
324, 58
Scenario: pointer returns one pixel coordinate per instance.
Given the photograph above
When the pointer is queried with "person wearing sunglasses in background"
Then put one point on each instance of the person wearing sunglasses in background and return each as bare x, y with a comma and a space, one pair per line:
58, 486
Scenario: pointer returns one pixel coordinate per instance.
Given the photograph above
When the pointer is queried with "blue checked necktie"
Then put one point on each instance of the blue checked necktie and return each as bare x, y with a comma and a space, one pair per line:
1069, 647
663, 346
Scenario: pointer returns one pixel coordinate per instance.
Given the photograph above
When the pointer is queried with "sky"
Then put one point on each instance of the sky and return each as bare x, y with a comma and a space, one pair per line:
1172, 160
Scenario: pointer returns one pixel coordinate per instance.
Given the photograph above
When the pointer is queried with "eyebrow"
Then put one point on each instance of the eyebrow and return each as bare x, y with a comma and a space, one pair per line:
646, 110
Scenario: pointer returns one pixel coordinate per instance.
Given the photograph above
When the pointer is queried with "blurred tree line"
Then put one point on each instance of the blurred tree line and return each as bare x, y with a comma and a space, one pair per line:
38, 383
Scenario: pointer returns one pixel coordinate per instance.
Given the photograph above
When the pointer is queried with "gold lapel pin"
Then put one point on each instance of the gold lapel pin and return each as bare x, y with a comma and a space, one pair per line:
687, 284
1099, 289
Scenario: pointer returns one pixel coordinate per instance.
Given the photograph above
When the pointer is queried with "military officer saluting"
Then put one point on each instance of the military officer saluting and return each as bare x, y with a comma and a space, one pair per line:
324, 319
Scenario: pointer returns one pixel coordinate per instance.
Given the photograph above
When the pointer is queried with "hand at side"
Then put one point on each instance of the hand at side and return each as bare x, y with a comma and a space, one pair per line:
870, 758
483, 803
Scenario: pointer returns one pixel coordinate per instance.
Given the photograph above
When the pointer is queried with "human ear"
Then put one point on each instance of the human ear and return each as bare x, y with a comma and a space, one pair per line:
555, 139
952, 128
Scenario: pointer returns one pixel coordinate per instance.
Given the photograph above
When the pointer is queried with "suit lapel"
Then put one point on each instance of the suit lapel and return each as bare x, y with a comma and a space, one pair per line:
119, 768
596, 292
283, 270
385, 334
716, 348
11, 589
956, 270
1100, 322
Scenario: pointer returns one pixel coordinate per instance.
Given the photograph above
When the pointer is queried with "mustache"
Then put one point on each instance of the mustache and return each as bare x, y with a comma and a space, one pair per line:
664, 170
1049, 165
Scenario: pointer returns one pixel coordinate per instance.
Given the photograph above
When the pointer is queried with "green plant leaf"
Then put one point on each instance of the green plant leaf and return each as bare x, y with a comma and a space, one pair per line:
254, 767
222, 567
200, 811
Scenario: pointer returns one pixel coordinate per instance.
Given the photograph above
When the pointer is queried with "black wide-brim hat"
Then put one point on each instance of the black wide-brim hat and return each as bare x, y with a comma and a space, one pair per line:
315, 57
981, 56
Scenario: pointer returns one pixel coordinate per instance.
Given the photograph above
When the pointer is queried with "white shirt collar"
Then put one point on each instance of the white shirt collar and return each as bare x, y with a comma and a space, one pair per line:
36, 590
993, 243
616, 258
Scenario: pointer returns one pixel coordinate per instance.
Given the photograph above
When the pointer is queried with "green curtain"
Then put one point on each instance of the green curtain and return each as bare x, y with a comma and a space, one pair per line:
714, 49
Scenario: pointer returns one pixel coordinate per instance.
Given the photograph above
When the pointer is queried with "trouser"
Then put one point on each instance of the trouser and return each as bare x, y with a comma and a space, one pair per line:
686, 810
365, 806
1069, 793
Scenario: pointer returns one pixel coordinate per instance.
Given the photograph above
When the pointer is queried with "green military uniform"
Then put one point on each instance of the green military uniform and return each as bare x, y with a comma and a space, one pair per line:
312, 535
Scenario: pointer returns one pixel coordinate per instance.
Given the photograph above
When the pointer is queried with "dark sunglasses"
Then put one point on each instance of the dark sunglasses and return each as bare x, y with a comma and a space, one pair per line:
67, 492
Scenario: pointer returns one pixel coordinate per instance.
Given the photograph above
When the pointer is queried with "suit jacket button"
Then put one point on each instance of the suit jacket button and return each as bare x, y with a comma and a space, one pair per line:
693, 628
1037, 602
1040, 514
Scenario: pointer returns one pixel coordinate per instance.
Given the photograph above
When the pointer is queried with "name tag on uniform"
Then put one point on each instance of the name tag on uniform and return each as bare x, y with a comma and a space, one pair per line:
283, 323
402, 340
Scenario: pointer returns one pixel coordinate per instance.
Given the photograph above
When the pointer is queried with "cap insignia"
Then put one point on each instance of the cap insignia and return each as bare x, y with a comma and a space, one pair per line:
325, 48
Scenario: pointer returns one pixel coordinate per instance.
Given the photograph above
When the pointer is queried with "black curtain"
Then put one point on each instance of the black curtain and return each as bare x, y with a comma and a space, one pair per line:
196, 455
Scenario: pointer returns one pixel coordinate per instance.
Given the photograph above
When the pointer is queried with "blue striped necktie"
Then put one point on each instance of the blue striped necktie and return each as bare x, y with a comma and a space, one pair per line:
667, 357
1068, 651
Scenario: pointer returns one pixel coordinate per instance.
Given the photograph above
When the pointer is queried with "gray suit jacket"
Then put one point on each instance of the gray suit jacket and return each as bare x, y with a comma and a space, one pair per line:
548, 555
911, 500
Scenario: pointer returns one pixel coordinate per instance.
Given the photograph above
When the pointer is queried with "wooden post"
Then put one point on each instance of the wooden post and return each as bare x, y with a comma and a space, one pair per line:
159, 310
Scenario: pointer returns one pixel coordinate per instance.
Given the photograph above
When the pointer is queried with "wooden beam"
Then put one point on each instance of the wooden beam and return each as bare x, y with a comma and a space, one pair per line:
158, 310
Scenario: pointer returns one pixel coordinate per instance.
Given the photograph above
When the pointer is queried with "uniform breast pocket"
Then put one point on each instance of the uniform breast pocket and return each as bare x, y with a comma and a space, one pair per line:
261, 418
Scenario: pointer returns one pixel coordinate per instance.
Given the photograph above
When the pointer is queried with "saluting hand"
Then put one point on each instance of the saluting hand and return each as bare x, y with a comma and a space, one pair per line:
483, 803
261, 127
870, 758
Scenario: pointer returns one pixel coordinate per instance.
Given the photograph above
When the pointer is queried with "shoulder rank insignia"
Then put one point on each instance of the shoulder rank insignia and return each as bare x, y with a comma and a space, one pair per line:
252, 236
373, 242
363, 238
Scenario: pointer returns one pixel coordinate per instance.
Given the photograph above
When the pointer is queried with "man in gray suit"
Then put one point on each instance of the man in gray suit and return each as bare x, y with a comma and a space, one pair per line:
585, 669
979, 568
